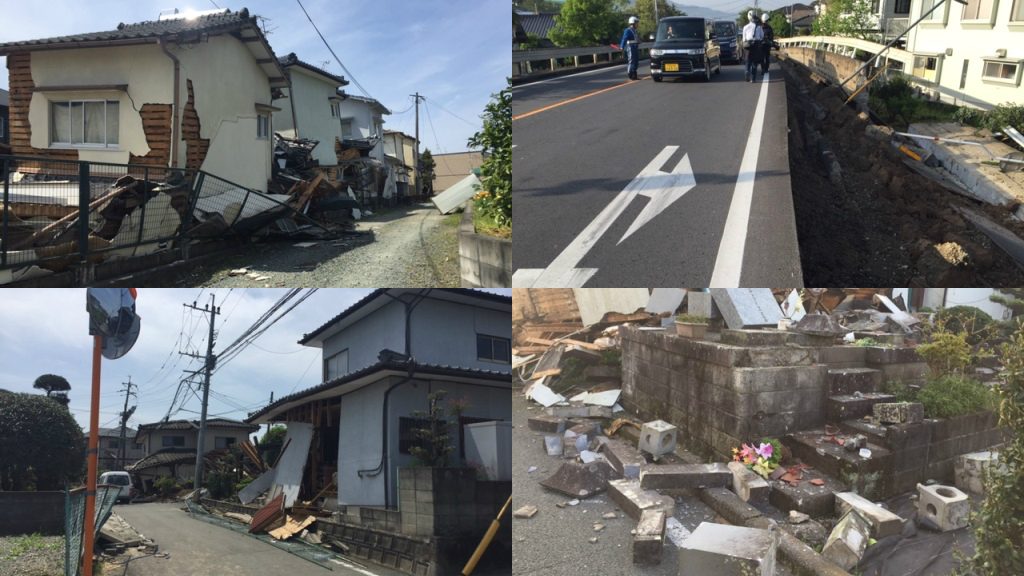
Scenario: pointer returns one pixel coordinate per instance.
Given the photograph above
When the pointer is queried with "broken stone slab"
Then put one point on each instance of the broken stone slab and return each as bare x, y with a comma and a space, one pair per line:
649, 538
546, 423
747, 307
969, 470
633, 500
899, 412
626, 460
805, 496
675, 532
657, 438
586, 428
681, 476
528, 511
818, 325
945, 507
748, 485
579, 411
554, 445
726, 550
580, 481
883, 522
846, 544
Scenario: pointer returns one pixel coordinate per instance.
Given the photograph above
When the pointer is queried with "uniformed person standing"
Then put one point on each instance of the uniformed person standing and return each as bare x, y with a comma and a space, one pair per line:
631, 44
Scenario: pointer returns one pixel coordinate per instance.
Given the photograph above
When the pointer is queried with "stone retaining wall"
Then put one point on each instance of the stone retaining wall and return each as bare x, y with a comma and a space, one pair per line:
484, 261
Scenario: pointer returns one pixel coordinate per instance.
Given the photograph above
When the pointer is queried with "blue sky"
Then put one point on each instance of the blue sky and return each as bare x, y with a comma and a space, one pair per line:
46, 331
455, 52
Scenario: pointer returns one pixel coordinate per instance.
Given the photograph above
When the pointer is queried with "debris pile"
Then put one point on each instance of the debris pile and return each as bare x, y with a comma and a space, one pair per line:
311, 190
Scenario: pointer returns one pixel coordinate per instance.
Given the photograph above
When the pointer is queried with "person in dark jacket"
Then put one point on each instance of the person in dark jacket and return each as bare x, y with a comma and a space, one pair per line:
631, 44
769, 40
753, 36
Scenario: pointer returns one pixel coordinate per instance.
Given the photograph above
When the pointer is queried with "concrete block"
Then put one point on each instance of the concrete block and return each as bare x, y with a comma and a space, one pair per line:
623, 457
850, 380
634, 500
899, 412
748, 485
657, 438
701, 304
747, 307
844, 407
649, 540
846, 544
553, 445
547, 423
969, 470
944, 506
726, 550
580, 481
683, 476
883, 522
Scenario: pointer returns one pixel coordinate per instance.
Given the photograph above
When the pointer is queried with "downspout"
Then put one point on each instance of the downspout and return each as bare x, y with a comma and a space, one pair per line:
176, 101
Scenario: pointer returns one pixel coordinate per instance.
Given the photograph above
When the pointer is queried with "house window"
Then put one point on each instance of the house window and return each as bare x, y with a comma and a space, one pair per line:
937, 16
3, 126
493, 349
223, 442
336, 365
335, 109
902, 7
1017, 14
406, 435
173, 441
978, 10
140, 446
84, 123
346, 128
113, 443
1001, 71
263, 127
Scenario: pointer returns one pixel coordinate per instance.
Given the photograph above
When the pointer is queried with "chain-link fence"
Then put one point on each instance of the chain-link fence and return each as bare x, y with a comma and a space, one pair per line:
74, 522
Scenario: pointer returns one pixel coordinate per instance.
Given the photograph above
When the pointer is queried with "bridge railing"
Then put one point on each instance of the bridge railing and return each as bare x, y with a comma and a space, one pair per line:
545, 60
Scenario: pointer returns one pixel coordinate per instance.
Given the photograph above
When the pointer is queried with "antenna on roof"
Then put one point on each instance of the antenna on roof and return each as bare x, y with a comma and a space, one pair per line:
163, 13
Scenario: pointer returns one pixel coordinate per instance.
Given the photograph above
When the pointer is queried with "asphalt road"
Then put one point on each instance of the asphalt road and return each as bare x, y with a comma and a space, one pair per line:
198, 548
580, 140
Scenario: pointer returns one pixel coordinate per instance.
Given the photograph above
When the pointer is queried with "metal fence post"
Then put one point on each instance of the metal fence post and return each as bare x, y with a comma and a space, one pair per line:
83, 211
4, 166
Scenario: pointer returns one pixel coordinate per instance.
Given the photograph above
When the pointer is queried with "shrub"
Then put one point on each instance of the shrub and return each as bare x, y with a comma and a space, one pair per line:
166, 486
41, 444
951, 396
495, 142
977, 323
220, 484
900, 390
946, 352
996, 119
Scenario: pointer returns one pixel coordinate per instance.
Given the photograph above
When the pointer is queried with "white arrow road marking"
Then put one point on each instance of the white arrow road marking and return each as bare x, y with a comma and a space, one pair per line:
661, 187
729, 263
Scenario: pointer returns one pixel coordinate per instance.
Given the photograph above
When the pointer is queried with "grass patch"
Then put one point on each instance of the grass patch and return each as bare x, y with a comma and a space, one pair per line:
30, 543
452, 220
897, 104
951, 396
485, 224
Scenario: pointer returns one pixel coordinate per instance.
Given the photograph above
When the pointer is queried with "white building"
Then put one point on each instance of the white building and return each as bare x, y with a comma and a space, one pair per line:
310, 107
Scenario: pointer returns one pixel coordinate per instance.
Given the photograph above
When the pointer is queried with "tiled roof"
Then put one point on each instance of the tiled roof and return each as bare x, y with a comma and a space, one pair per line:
116, 432
537, 24
420, 370
194, 424
293, 60
378, 293
163, 457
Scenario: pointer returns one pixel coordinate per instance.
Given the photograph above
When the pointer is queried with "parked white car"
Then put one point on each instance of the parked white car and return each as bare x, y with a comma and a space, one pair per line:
122, 479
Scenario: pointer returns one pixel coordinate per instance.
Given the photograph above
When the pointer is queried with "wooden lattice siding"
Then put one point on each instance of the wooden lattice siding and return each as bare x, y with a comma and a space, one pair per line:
19, 67
156, 123
196, 147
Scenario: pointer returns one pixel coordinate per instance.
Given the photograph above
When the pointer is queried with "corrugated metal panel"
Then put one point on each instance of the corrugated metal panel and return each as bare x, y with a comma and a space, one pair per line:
455, 196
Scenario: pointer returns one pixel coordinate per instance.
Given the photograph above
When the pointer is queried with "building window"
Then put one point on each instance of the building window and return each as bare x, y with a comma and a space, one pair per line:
263, 127
114, 443
84, 123
346, 128
1017, 14
493, 348
140, 446
3, 126
335, 109
902, 8
407, 437
978, 10
173, 441
938, 15
221, 442
336, 365
1001, 71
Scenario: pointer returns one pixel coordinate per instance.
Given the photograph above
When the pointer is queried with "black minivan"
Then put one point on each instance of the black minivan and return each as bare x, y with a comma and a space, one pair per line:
685, 46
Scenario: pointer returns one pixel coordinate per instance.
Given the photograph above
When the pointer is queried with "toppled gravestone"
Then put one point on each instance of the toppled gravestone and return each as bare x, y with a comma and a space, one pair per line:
748, 485
899, 412
626, 459
649, 539
725, 550
747, 307
634, 500
581, 481
818, 325
969, 470
883, 522
846, 544
681, 476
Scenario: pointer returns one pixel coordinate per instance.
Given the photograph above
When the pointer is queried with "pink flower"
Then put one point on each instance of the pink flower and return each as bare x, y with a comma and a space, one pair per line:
748, 454
765, 450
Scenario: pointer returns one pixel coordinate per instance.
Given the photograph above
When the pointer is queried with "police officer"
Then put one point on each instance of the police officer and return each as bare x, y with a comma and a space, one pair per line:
753, 37
769, 40
631, 44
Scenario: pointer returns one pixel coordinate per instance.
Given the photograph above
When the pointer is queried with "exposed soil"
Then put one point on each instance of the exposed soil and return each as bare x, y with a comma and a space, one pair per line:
864, 218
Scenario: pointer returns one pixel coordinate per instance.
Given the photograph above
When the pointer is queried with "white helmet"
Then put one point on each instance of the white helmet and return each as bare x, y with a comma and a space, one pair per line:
750, 16
764, 17
633, 19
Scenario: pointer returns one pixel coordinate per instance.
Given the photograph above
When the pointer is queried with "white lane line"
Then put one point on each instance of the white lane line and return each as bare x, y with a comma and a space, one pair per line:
729, 263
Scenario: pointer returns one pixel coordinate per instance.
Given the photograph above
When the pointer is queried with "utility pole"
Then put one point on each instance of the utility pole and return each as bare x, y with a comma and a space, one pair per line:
417, 151
211, 361
124, 420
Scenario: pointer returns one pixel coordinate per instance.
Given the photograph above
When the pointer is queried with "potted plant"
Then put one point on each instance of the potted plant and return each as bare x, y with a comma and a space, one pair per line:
691, 326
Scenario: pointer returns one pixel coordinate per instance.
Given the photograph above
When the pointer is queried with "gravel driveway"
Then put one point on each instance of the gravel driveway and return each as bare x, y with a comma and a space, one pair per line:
409, 246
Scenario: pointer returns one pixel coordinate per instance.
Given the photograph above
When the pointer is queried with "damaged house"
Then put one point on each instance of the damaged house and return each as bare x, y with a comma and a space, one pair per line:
187, 91
400, 154
381, 358
170, 447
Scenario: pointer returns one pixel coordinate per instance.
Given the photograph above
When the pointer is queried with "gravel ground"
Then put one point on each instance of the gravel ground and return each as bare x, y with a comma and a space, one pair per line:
409, 246
32, 555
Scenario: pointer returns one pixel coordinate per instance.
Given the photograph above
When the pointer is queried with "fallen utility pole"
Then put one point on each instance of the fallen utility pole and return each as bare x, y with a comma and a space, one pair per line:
211, 361
125, 414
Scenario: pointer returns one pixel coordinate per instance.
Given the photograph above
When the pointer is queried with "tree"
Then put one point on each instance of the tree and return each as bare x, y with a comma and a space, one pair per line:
434, 440
538, 5
495, 141
41, 443
588, 23
645, 11
781, 26
741, 17
850, 18
427, 165
56, 387
1012, 298
269, 445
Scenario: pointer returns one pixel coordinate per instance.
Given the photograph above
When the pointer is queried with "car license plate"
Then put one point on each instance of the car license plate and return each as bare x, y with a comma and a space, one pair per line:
671, 67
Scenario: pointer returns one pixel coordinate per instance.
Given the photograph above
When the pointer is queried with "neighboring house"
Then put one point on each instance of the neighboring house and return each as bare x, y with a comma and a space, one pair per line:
535, 26
190, 91
400, 153
311, 107
972, 53
110, 448
801, 17
170, 447
362, 129
451, 168
892, 18
939, 298
4, 120
363, 413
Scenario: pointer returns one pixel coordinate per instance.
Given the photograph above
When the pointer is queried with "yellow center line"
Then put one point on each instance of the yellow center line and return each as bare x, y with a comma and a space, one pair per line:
576, 99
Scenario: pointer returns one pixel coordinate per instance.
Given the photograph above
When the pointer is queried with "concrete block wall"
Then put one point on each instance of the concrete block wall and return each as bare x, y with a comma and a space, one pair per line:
484, 261
437, 501
408, 554
30, 512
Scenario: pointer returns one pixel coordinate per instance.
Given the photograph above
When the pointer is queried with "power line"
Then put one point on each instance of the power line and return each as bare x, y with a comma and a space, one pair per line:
456, 115
436, 141
336, 59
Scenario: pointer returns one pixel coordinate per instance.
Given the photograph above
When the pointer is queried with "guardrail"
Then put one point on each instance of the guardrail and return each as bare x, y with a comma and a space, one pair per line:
523, 61
849, 47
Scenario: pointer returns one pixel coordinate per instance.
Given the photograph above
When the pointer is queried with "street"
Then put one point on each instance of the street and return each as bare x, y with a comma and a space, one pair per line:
711, 159
197, 548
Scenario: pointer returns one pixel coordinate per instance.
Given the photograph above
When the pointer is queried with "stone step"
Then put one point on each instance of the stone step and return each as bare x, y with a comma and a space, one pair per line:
850, 380
851, 406
867, 476
806, 497
875, 433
